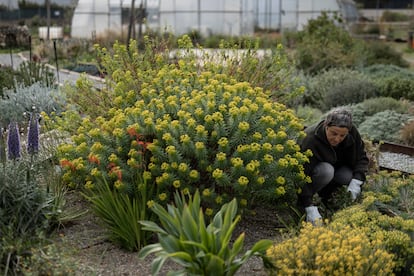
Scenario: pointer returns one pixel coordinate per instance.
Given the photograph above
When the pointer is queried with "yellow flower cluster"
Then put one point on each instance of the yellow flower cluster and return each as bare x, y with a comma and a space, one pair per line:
325, 251
193, 126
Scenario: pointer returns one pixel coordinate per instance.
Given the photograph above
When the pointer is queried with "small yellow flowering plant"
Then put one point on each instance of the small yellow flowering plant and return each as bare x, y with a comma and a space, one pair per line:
330, 251
386, 213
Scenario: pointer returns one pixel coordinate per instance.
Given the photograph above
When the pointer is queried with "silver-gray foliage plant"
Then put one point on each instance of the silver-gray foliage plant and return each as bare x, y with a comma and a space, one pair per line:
25, 99
384, 126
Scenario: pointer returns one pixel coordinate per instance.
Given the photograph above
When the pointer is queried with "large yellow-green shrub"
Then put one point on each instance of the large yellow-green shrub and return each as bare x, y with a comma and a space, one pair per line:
186, 129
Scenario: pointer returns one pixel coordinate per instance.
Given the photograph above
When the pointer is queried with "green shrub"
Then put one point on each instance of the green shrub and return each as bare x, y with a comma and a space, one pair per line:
6, 78
382, 53
23, 210
397, 87
187, 129
393, 193
375, 105
337, 87
391, 16
206, 131
330, 251
33, 72
350, 92
200, 248
324, 44
384, 126
48, 259
392, 81
271, 70
84, 98
380, 71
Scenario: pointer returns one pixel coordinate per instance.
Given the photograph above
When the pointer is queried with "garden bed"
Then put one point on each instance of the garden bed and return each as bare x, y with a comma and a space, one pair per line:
84, 243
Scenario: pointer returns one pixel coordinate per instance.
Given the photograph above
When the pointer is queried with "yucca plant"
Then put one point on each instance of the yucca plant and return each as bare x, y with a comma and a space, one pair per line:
200, 249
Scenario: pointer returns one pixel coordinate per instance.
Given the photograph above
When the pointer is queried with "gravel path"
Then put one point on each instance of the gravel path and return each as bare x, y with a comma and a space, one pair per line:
397, 161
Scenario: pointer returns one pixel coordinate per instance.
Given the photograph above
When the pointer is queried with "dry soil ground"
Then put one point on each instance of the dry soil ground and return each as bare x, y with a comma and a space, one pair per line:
93, 254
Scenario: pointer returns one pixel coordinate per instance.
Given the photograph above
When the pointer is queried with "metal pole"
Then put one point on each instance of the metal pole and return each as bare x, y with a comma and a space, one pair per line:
280, 16
199, 16
122, 26
141, 15
30, 48
48, 18
11, 55
56, 60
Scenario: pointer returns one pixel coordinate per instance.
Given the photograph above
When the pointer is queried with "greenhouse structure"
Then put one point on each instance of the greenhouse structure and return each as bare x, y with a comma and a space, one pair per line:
223, 17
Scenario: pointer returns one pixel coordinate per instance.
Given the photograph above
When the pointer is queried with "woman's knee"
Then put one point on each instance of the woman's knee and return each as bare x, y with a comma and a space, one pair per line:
343, 175
323, 173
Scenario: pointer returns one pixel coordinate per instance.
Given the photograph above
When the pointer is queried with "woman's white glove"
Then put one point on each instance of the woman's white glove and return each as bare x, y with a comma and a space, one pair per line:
312, 215
355, 188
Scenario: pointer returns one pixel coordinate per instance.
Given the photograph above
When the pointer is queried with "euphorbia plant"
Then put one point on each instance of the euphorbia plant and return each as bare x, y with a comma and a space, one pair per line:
200, 249
204, 129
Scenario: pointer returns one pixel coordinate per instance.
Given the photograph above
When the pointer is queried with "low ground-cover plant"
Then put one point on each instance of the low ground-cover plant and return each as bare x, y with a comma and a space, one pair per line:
201, 248
392, 191
393, 232
377, 230
386, 213
330, 250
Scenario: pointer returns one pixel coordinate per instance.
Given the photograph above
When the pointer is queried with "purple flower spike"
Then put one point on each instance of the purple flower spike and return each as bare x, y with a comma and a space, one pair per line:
13, 141
33, 135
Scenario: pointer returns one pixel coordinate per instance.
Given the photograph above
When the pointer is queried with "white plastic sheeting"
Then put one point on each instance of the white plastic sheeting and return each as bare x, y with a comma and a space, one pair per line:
294, 14
95, 17
227, 17
230, 17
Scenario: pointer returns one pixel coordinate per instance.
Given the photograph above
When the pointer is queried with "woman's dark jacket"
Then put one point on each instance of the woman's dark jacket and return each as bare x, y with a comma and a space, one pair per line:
350, 152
